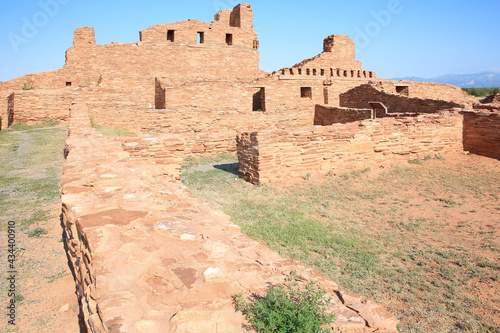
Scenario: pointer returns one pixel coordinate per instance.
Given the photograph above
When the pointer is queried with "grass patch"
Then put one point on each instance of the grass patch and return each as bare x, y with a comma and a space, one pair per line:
30, 162
364, 230
37, 232
110, 131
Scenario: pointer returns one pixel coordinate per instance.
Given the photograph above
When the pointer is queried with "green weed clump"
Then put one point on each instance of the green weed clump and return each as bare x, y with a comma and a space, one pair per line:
286, 309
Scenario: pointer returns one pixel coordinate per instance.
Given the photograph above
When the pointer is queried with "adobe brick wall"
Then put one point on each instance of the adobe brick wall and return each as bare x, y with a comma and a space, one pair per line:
481, 133
6, 110
428, 90
41, 105
324, 115
281, 156
360, 96
150, 257
204, 132
207, 95
338, 52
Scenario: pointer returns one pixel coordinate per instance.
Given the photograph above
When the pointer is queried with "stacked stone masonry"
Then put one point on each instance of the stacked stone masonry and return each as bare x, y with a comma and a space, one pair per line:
280, 156
150, 257
482, 133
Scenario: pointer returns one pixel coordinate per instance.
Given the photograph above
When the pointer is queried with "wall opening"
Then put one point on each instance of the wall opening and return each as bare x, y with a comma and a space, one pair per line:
314, 71
331, 72
291, 71
352, 73
255, 44
403, 90
229, 39
325, 95
306, 92
300, 71
259, 100
160, 99
171, 35
322, 72
68, 84
201, 37
308, 71
345, 73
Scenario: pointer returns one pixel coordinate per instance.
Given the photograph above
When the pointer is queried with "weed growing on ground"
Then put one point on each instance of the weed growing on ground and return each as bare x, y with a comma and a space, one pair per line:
37, 232
286, 308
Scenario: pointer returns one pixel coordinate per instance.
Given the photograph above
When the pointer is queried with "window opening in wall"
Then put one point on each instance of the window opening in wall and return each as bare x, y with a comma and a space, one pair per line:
338, 72
364, 73
352, 73
345, 73
201, 37
255, 44
322, 72
403, 90
308, 71
229, 39
171, 35
300, 71
68, 84
331, 71
371, 74
306, 92
259, 100
314, 71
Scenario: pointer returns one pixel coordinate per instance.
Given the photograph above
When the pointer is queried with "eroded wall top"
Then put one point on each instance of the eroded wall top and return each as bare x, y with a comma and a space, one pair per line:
230, 27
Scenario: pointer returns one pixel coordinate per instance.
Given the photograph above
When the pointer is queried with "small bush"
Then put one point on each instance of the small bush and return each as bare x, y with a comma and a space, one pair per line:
27, 85
286, 309
415, 161
37, 232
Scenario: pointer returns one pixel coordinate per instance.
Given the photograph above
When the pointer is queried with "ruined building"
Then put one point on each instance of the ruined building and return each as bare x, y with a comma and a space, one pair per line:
148, 256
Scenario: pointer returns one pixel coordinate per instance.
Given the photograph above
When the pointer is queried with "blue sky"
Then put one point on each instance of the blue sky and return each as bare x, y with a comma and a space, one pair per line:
395, 38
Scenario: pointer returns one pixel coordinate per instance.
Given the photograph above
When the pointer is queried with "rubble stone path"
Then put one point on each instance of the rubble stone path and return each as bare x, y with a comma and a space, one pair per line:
150, 257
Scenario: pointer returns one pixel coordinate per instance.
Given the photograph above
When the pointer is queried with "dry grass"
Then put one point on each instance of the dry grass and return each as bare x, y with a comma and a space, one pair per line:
422, 240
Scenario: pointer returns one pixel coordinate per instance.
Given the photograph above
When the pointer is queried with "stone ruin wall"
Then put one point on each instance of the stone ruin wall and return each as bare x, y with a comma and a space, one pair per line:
325, 116
482, 133
150, 257
281, 156
395, 103
6, 110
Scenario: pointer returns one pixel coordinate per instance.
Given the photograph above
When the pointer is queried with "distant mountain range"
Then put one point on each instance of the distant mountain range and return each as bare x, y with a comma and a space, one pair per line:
479, 80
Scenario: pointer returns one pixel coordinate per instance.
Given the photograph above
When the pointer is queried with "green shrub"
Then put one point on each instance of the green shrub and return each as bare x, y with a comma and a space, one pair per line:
37, 232
481, 92
27, 85
286, 309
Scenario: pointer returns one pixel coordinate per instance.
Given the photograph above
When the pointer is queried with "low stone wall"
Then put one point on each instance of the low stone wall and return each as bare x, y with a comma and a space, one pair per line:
150, 257
324, 115
360, 96
482, 133
281, 156
204, 132
41, 105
